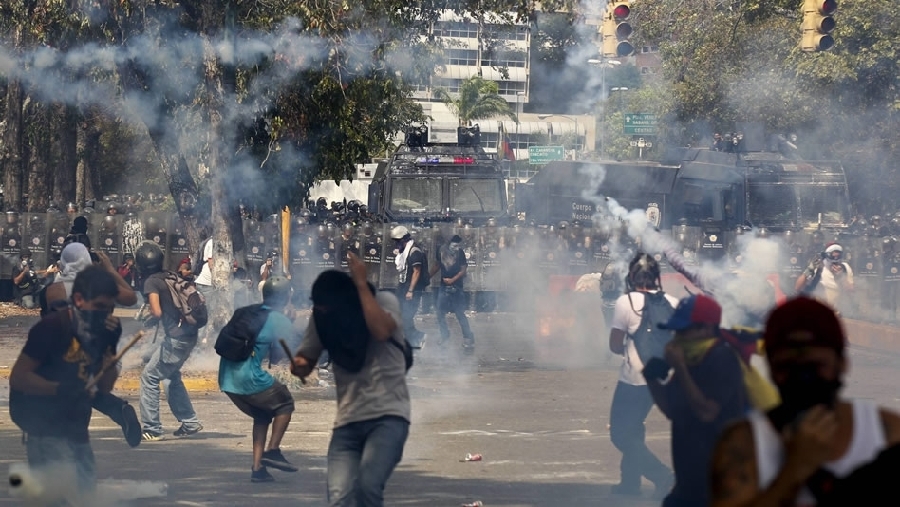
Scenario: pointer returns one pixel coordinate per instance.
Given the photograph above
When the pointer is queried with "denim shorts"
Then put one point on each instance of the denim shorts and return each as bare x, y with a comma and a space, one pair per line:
265, 405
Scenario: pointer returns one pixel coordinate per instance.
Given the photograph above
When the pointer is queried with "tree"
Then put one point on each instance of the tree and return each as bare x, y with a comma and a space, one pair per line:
478, 99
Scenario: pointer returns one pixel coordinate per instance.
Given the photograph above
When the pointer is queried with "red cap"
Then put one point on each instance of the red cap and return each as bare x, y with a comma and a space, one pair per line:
692, 310
186, 260
803, 321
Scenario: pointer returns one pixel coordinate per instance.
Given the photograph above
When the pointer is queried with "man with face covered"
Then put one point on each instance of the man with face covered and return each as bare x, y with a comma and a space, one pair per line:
373, 412
66, 350
451, 298
787, 455
412, 269
828, 277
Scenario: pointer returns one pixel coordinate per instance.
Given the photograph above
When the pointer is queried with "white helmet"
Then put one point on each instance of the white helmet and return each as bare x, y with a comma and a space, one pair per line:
399, 232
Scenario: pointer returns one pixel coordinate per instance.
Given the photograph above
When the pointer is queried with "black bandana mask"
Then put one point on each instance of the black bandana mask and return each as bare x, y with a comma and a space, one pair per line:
802, 390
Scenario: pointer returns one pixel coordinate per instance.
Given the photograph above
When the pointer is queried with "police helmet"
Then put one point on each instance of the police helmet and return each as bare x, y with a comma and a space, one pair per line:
368, 227
276, 291
348, 227
112, 208
322, 231
762, 233
353, 206
71, 208
321, 203
300, 222
149, 258
363, 209
305, 213
399, 232
643, 273
491, 222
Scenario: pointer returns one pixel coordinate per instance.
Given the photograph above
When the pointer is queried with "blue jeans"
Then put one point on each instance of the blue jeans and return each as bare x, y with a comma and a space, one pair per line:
630, 406
452, 299
165, 364
408, 310
361, 458
44, 451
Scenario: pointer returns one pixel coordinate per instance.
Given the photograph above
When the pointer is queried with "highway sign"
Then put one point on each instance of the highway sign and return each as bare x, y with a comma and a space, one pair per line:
544, 154
640, 124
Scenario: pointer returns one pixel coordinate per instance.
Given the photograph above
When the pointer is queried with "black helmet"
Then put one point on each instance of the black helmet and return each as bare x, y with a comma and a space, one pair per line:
348, 227
643, 272
149, 258
491, 222
300, 222
305, 213
276, 291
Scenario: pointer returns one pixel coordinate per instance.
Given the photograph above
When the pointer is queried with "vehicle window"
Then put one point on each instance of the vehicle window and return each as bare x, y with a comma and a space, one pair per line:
829, 201
475, 195
415, 195
772, 205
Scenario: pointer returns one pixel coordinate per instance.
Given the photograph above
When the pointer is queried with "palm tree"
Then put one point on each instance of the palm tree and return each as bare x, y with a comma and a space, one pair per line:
478, 99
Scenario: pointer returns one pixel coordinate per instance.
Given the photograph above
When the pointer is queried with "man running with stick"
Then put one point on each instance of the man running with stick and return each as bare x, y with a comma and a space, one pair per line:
68, 358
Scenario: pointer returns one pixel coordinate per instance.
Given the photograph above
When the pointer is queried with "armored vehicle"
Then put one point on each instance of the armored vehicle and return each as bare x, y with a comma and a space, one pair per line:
437, 182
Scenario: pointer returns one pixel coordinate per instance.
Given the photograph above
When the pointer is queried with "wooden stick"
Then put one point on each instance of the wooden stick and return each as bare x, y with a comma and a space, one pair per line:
134, 339
290, 355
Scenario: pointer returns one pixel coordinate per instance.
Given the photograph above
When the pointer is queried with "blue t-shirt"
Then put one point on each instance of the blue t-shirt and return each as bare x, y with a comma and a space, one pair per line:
249, 377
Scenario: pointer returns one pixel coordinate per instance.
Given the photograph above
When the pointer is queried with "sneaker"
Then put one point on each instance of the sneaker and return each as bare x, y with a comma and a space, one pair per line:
273, 458
184, 431
625, 489
468, 343
149, 436
261, 475
131, 427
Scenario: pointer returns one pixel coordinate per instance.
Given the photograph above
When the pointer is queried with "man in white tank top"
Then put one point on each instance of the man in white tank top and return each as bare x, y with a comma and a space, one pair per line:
779, 458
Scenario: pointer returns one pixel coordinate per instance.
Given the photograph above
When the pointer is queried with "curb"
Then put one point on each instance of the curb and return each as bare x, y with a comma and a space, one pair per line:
132, 382
873, 336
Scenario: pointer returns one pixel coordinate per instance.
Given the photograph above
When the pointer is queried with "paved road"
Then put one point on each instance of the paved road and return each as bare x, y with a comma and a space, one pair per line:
536, 410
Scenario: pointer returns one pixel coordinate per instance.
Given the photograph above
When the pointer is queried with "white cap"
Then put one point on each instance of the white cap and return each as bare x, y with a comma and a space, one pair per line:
399, 232
834, 247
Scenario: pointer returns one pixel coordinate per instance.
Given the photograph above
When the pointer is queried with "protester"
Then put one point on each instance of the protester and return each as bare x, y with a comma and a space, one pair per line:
451, 262
169, 356
255, 392
412, 279
632, 400
49, 396
814, 440
705, 391
373, 413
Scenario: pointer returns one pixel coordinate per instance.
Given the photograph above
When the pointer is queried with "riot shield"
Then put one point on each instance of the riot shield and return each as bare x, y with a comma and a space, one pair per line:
179, 248
56, 237
35, 238
388, 277
109, 238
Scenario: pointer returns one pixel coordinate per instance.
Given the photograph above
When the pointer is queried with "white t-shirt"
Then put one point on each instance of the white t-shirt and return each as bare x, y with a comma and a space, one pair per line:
205, 276
627, 319
831, 289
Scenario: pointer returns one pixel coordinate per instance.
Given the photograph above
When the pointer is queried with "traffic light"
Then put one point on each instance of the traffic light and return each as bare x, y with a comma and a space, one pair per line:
616, 29
818, 23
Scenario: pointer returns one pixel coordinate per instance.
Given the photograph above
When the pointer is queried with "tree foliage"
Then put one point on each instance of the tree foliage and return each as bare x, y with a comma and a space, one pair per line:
477, 99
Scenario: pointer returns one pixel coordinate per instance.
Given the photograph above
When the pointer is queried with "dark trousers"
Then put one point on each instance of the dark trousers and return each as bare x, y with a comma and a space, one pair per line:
630, 406
409, 308
110, 405
452, 299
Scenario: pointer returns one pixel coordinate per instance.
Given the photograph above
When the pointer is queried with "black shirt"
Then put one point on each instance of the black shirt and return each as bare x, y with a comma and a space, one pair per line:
453, 269
62, 358
720, 377
415, 258
28, 284
171, 315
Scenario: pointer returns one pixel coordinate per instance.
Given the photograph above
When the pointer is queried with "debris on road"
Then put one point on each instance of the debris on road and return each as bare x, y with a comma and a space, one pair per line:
472, 457
476, 503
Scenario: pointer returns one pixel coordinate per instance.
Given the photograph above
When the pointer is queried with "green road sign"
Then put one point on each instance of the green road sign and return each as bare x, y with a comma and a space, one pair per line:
637, 124
544, 154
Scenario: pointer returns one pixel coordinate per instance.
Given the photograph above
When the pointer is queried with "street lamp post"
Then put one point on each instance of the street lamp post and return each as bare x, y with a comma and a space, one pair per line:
519, 96
603, 64
575, 120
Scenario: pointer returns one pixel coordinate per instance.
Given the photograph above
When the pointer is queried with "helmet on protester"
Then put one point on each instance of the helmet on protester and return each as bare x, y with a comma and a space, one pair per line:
149, 258
399, 232
276, 291
643, 273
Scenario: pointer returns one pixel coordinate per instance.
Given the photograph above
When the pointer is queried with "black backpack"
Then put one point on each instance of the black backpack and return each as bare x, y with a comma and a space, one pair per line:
237, 339
424, 279
649, 340
187, 300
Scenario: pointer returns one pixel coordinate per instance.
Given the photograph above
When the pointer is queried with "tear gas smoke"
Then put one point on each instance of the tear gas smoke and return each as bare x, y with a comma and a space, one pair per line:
57, 483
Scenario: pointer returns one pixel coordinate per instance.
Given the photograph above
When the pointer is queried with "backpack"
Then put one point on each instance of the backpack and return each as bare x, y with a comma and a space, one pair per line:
649, 340
237, 339
197, 261
187, 300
